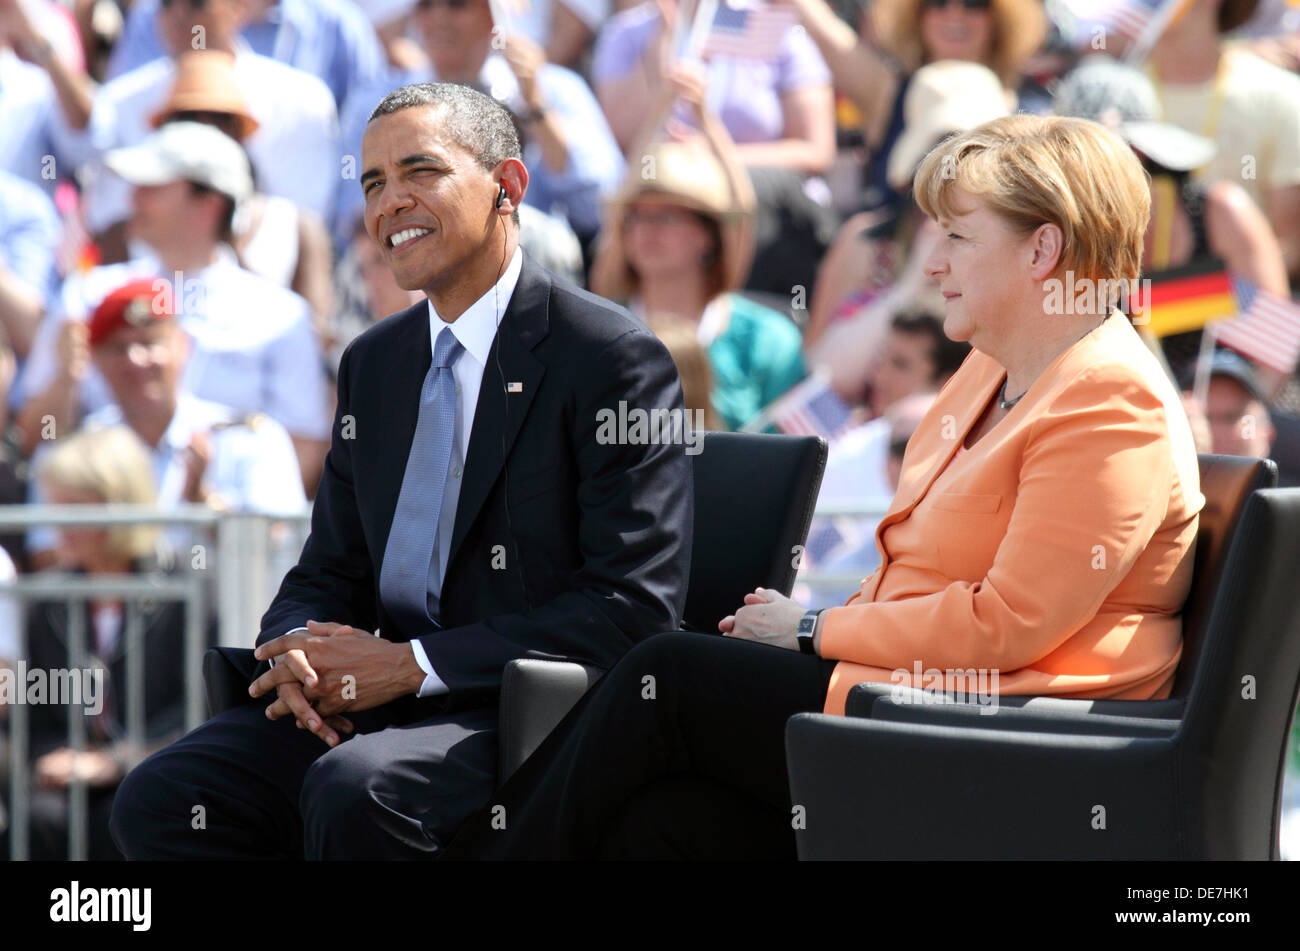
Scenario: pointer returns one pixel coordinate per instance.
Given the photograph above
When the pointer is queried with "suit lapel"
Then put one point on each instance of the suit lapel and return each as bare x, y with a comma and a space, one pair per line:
505, 396
967, 404
399, 408
937, 450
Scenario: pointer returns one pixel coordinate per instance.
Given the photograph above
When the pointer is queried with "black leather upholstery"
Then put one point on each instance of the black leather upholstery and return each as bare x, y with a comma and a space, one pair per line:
754, 500
535, 696
1227, 482
1197, 776
227, 672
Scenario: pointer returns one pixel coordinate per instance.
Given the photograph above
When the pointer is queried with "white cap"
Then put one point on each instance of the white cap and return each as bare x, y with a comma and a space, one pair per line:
186, 151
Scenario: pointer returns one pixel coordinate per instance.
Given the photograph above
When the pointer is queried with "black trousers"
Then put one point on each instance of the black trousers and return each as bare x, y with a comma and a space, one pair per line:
241, 786
678, 752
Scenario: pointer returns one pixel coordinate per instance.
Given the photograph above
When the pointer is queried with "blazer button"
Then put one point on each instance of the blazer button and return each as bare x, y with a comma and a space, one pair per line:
455, 472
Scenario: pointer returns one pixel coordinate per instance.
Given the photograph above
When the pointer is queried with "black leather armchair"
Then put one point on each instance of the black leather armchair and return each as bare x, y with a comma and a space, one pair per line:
754, 500
1196, 776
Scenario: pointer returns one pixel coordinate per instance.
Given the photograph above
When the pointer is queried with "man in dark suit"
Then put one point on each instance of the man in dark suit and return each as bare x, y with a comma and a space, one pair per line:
471, 512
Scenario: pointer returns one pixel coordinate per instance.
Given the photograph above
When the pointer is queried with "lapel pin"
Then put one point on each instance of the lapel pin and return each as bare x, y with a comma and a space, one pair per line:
514, 387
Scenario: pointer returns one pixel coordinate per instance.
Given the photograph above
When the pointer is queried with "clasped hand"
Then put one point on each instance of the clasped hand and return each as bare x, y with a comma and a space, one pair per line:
768, 617
332, 669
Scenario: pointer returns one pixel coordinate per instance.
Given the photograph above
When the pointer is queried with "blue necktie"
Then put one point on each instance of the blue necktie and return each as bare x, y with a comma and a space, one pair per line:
412, 540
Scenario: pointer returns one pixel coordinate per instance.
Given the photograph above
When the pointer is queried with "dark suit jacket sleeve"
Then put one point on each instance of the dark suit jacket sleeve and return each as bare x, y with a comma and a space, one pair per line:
333, 579
635, 519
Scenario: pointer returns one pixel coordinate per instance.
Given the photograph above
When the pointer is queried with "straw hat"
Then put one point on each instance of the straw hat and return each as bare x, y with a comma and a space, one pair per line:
205, 82
942, 98
692, 177
689, 175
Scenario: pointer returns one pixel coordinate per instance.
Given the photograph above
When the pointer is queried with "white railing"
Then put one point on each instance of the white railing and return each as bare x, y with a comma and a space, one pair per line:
236, 558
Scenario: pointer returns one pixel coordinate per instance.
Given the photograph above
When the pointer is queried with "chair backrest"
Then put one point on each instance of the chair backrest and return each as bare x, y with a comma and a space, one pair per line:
1226, 482
1235, 731
754, 499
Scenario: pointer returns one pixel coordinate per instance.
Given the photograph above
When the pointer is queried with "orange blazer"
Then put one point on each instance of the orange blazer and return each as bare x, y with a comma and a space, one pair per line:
1054, 555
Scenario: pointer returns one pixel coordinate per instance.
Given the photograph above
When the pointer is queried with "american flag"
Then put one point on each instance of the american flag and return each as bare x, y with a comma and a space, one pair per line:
1140, 21
811, 408
823, 539
752, 32
1266, 329
1132, 17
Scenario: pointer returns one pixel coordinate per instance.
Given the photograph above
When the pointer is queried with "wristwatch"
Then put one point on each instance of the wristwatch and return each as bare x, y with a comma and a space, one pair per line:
807, 628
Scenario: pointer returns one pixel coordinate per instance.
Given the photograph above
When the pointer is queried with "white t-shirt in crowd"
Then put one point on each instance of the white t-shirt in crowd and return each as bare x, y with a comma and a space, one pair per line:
1257, 131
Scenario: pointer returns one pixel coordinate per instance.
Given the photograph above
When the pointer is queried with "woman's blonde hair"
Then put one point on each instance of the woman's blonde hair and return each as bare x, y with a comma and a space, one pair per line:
682, 339
1035, 170
114, 466
1019, 28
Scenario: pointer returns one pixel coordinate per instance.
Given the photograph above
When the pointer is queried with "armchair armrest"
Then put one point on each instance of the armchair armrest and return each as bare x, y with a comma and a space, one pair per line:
535, 696
863, 697
1025, 719
227, 672
875, 789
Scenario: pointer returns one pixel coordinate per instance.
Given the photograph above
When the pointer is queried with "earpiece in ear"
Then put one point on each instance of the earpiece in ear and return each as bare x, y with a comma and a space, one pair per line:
501, 196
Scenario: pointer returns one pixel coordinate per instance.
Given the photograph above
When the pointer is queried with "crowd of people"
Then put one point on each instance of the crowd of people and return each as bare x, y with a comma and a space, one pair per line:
183, 257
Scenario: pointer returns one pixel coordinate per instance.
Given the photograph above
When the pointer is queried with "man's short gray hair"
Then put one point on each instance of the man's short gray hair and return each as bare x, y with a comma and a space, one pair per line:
478, 123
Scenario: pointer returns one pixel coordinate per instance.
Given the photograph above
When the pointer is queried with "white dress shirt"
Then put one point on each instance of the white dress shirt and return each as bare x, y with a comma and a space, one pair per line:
253, 342
252, 468
476, 328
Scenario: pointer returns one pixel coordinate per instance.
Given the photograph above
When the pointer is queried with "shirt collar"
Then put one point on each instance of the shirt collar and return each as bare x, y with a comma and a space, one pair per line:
477, 327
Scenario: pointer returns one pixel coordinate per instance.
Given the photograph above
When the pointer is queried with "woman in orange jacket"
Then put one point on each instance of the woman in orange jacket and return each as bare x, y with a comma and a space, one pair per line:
1041, 536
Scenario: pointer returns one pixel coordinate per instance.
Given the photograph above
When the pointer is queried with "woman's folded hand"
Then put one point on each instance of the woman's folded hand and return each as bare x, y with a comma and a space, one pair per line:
767, 617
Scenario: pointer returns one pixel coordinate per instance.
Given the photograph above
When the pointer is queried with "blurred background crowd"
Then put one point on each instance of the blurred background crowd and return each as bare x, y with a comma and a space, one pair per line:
182, 258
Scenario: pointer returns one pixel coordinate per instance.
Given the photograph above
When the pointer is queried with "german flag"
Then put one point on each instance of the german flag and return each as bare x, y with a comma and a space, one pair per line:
1181, 299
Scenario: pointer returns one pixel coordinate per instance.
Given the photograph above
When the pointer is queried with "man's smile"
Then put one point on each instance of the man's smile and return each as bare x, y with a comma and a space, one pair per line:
401, 240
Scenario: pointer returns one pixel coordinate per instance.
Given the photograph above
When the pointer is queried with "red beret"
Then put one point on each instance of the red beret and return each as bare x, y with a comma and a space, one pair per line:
131, 305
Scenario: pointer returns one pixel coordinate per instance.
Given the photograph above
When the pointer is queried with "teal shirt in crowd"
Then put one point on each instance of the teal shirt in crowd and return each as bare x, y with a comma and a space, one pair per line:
756, 358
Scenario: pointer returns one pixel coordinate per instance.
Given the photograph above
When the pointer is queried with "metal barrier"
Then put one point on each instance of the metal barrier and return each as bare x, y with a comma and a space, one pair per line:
249, 554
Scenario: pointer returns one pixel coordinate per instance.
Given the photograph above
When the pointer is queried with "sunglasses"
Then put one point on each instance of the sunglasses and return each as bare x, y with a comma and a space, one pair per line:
450, 4
194, 4
220, 119
968, 4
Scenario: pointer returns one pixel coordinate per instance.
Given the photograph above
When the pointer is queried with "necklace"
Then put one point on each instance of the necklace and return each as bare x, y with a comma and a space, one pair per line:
1005, 404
